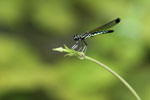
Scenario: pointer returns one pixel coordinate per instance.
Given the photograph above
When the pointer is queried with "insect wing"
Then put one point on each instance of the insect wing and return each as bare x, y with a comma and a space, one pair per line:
106, 26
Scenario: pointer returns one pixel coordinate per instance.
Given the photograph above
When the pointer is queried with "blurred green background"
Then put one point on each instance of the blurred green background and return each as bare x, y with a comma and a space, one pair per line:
30, 70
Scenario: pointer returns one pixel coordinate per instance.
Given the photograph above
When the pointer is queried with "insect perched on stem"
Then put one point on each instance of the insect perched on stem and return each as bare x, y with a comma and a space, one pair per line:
80, 39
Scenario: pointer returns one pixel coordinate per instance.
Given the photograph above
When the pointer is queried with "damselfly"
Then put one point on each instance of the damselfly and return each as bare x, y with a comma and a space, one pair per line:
81, 45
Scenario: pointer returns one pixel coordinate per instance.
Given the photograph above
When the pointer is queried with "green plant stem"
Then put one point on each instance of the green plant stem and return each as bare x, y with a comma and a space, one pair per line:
116, 75
83, 56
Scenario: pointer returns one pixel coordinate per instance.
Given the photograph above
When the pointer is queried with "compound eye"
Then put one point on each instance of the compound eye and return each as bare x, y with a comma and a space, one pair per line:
75, 37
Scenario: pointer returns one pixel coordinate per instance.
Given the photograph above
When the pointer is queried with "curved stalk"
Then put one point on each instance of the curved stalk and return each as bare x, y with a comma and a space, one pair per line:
83, 56
116, 75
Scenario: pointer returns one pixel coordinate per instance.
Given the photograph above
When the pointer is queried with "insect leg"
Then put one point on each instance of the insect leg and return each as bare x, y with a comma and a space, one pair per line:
75, 46
85, 47
81, 46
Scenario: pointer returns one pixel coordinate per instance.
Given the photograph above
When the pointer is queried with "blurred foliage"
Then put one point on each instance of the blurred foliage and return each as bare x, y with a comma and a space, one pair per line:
30, 70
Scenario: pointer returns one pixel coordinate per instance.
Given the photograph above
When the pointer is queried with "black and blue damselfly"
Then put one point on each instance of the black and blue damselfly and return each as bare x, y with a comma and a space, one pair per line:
81, 45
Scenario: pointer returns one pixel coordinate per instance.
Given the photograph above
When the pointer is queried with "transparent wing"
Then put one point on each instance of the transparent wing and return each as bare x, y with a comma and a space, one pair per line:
106, 26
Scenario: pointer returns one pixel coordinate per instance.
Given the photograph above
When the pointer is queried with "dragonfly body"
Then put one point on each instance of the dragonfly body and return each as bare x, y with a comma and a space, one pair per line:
80, 39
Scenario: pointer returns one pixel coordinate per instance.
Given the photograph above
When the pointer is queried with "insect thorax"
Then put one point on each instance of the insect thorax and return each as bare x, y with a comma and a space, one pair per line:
87, 35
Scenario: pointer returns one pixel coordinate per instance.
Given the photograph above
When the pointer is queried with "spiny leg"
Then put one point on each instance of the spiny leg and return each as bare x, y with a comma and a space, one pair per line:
81, 46
85, 47
75, 46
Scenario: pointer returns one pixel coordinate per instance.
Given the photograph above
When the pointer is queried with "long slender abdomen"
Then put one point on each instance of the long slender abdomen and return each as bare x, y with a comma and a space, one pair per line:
97, 33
